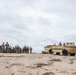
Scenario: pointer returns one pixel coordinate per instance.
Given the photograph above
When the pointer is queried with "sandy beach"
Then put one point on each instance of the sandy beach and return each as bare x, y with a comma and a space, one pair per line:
37, 64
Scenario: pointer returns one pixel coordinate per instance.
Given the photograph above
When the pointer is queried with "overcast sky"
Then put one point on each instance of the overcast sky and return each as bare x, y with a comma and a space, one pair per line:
37, 23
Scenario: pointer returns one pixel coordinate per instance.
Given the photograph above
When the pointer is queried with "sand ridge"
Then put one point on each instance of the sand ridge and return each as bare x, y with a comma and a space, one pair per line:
37, 64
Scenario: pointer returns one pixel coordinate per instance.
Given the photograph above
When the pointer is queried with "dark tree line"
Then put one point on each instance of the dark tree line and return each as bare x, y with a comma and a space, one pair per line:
6, 48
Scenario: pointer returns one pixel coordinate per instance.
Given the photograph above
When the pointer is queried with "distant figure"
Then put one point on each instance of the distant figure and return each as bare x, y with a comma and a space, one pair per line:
13, 49
30, 50
7, 45
27, 49
55, 44
24, 49
18, 49
63, 44
3, 46
60, 44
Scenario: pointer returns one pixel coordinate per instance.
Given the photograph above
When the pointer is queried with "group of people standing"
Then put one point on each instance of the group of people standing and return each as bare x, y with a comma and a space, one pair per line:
6, 48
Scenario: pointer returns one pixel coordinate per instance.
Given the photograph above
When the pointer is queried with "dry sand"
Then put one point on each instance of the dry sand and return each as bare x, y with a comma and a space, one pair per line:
37, 64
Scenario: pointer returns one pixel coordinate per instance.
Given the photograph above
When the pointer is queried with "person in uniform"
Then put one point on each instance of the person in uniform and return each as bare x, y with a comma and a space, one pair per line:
60, 44
3, 47
7, 45
27, 49
18, 49
30, 50
63, 44
24, 49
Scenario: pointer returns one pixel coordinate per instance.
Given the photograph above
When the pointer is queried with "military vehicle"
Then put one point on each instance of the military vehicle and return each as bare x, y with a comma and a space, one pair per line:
65, 49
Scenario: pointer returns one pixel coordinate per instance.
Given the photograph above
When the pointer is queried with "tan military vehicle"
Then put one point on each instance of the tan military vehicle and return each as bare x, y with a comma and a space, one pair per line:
65, 49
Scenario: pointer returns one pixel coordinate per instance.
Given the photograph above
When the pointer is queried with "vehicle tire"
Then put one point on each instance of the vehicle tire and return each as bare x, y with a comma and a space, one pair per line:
72, 54
50, 51
65, 52
57, 53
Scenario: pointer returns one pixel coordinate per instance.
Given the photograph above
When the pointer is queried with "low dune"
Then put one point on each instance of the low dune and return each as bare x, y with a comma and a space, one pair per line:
37, 64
